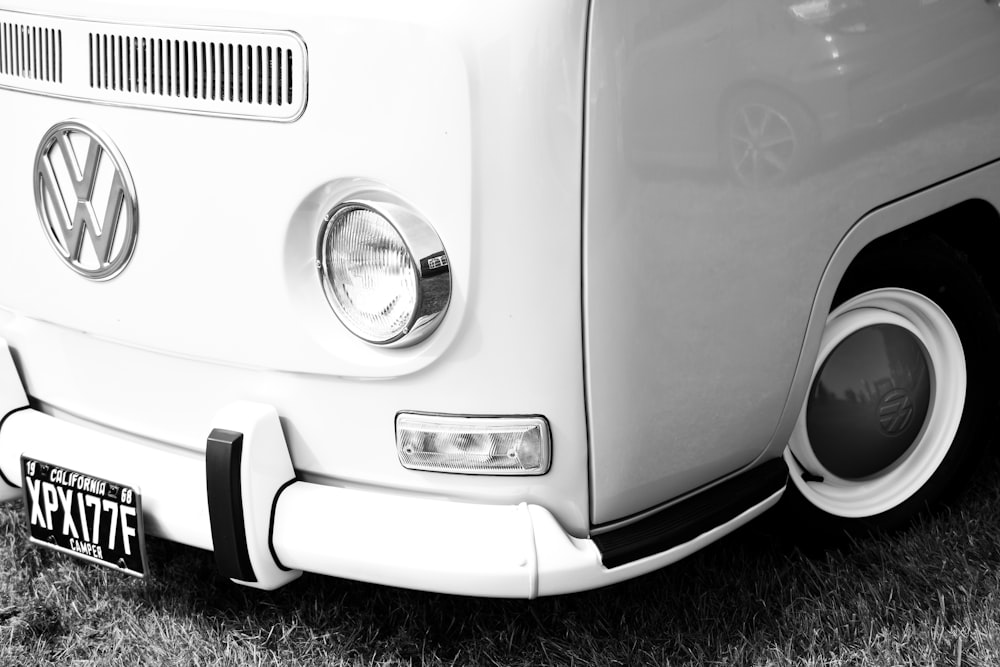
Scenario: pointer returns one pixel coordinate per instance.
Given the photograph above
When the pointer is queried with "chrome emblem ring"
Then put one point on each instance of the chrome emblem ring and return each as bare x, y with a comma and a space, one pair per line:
86, 200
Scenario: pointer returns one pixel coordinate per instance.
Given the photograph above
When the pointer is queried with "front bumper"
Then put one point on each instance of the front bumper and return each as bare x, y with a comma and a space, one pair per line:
292, 525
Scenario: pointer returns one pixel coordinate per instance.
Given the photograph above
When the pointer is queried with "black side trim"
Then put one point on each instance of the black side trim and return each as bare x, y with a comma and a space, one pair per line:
4, 419
270, 529
225, 504
690, 518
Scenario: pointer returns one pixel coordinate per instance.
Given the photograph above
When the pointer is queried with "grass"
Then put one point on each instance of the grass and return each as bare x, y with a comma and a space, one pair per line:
929, 595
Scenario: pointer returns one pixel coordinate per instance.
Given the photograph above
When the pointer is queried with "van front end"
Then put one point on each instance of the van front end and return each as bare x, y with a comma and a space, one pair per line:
305, 278
325, 289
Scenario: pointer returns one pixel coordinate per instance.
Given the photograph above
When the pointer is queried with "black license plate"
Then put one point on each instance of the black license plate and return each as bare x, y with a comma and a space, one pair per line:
84, 516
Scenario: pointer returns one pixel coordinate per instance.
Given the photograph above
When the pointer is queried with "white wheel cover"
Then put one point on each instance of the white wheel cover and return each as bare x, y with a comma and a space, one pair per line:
888, 489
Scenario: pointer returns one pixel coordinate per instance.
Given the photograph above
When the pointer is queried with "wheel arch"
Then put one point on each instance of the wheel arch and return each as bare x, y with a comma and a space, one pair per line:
964, 211
969, 227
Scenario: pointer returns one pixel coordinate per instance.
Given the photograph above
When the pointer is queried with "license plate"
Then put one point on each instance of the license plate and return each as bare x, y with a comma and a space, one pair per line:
84, 516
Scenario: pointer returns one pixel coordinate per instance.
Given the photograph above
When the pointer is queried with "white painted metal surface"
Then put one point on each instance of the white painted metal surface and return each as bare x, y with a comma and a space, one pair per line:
222, 300
420, 542
710, 272
700, 292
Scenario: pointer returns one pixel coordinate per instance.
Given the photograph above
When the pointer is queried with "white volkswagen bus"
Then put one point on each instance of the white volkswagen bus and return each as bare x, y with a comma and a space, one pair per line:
501, 298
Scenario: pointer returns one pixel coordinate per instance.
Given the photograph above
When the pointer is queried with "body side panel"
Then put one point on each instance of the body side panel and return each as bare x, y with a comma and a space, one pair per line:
709, 275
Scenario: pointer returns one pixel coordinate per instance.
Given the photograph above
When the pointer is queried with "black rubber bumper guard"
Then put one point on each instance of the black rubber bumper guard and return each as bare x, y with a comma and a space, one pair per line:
690, 518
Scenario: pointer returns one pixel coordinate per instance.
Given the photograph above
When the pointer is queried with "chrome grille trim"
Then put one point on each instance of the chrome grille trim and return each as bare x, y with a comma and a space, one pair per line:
252, 74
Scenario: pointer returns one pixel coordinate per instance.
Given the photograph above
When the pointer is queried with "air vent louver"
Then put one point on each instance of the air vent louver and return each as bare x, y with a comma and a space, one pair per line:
30, 52
240, 73
253, 74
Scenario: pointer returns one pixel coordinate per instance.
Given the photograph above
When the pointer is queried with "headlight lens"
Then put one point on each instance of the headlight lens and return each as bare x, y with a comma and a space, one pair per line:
385, 271
371, 274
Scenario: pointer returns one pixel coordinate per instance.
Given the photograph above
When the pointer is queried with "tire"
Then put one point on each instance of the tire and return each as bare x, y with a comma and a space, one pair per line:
902, 391
765, 137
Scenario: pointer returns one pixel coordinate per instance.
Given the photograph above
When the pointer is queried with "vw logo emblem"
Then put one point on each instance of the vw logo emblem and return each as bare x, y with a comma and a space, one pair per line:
895, 411
86, 200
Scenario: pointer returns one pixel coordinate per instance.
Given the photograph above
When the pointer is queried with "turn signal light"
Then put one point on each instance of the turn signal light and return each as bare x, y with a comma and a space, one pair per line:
473, 445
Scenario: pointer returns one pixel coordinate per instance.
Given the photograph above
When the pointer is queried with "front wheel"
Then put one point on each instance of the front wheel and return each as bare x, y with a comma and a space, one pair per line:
901, 388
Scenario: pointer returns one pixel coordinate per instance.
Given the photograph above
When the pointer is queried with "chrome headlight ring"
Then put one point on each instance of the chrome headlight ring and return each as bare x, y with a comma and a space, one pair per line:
384, 269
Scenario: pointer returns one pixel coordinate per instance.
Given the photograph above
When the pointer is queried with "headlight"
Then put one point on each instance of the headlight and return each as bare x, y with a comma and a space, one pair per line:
384, 270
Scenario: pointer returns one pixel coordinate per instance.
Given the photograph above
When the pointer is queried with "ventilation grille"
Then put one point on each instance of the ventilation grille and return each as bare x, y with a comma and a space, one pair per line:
194, 70
253, 74
30, 52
